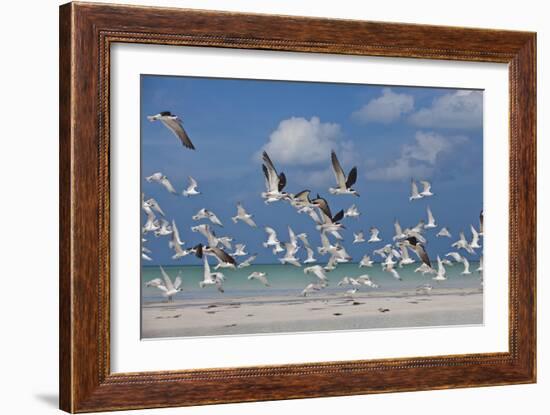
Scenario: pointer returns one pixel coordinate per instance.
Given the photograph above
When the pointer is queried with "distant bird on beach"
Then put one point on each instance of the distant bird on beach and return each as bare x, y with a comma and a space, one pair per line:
343, 182
244, 216
174, 124
192, 188
424, 289
163, 180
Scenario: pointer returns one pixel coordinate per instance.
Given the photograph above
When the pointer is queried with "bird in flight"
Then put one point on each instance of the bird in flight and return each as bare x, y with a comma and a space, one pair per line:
343, 182
174, 124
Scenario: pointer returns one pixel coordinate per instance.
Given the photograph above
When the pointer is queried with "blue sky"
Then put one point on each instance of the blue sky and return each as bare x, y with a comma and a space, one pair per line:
390, 133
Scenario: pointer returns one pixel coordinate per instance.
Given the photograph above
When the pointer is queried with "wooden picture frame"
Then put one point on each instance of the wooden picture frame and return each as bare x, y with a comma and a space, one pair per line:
86, 33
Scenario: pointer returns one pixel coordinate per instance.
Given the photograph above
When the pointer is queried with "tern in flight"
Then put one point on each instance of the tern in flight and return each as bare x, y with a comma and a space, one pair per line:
163, 180
358, 237
318, 271
374, 232
211, 278
462, 243
366, 262
174, 124
444, 232
312, 288
274, 182
243, 215
329, 223
248, 261
260, 276
419, 250
207, 214
310, 252
192, 188
441, 272
415, 195
169, 289
352, 212
343, 182
272, 240
240, 250
426, 191
431, 220
475, 238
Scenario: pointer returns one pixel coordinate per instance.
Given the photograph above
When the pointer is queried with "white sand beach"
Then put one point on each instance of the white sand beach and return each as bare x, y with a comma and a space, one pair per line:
323, 312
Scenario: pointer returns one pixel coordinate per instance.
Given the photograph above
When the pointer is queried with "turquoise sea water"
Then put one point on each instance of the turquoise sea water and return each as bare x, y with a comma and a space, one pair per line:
287, 280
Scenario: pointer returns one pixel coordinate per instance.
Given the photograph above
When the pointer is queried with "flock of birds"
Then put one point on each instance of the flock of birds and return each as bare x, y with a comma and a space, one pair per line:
393, 256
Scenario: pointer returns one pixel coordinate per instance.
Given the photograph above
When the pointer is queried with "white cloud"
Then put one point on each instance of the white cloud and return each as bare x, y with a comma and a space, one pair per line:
418, 159
385, 109
460, 110
300, 141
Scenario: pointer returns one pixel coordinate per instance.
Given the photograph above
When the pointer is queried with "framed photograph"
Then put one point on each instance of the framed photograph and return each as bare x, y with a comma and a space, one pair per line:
260, 207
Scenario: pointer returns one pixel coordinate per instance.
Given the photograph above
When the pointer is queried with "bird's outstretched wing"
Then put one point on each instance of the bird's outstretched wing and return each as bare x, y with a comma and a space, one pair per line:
338, 172
175, 125
352, 177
